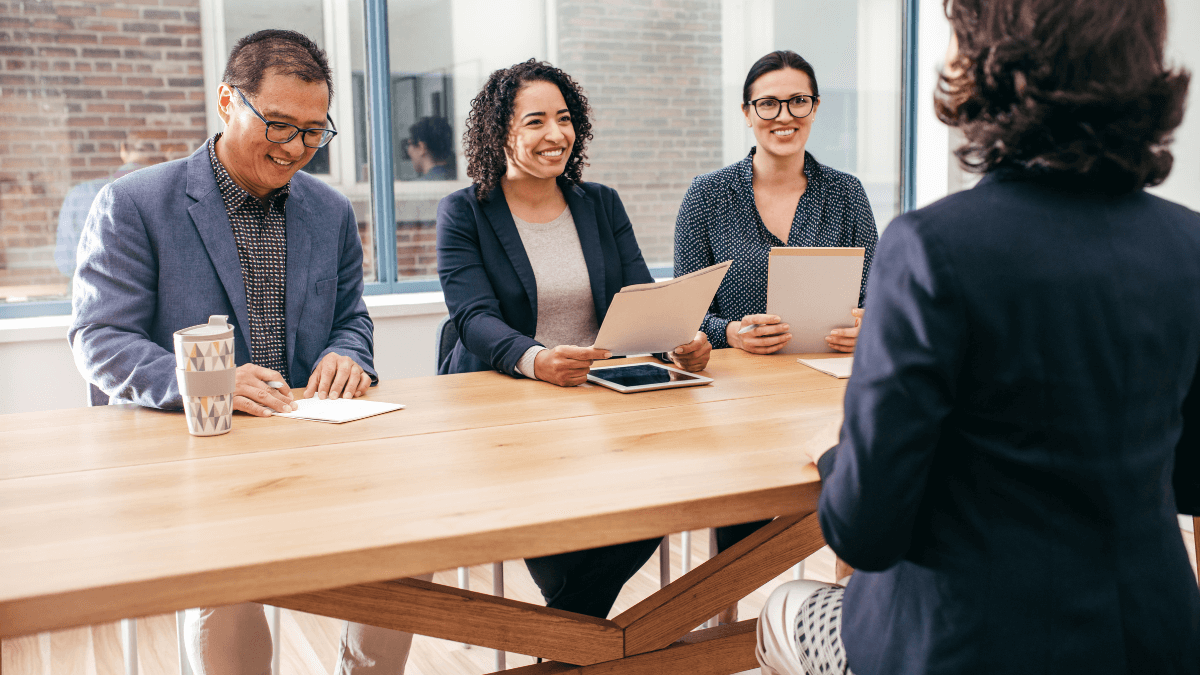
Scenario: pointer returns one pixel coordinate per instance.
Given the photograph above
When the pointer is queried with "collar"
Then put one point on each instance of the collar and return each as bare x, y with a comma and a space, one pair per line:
745, 170
234, 196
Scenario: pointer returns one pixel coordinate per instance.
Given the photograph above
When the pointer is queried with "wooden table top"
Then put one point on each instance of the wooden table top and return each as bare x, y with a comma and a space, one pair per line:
114, 512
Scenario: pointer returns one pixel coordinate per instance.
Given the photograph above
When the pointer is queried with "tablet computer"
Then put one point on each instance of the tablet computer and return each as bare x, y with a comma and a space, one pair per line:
644, 377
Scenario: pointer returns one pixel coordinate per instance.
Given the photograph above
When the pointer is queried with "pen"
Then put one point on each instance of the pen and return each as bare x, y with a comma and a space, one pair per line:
275, 384
747, 329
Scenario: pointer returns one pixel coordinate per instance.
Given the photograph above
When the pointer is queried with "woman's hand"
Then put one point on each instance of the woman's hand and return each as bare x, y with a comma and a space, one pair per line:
768, 337
566, 365
693, 357
844, 339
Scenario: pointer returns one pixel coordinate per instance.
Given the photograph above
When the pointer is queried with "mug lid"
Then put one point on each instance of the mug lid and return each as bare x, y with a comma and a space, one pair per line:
217, 327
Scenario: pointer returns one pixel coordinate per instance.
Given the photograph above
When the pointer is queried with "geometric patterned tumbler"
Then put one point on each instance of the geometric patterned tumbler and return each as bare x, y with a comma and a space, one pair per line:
206, 372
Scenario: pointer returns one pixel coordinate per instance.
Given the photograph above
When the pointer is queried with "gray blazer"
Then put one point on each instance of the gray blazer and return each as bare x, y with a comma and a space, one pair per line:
157, 254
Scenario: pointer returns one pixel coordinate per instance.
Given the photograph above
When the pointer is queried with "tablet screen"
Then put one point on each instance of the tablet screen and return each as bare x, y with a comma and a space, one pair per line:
634, 376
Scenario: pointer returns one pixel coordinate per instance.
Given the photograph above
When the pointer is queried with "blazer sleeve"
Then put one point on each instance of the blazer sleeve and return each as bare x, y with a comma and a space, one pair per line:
115, 297
905, 367
353, 332
693, 252
633, 266
472, 301
1187, 454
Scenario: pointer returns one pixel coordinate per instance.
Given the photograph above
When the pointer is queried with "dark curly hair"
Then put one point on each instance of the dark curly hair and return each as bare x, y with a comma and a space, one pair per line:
1076, 89
491, 116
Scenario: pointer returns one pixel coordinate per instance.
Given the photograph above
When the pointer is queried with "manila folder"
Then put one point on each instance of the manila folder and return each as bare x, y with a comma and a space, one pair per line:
813, 290
659, 317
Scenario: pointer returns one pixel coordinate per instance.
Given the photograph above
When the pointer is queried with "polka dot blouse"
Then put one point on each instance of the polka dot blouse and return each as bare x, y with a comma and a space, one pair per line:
719, 221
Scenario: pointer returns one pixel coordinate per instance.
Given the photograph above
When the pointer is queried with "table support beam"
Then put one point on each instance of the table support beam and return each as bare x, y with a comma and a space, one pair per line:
723, 650
672, 612
466, 616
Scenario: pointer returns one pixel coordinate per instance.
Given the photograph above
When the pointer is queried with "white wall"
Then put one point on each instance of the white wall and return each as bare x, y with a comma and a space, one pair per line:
37, 364
1183, 185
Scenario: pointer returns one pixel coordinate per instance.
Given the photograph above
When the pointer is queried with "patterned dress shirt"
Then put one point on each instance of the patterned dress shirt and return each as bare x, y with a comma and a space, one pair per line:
260, 231
719, 221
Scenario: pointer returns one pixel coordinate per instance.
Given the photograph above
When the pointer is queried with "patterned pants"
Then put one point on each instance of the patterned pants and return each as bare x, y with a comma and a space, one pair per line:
800, 631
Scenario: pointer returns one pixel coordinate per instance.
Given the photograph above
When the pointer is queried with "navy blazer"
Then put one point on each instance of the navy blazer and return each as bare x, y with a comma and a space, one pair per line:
488, 281
157, 254
1021, 429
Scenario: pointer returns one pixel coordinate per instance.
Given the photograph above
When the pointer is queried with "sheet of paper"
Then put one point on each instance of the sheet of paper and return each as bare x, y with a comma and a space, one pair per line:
659, 317
813, 290
338, 410
837, 367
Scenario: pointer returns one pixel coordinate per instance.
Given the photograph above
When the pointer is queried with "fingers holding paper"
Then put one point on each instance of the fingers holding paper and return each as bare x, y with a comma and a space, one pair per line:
566, 365
845, 339
693, 356
253, 395
758, 333
337, 376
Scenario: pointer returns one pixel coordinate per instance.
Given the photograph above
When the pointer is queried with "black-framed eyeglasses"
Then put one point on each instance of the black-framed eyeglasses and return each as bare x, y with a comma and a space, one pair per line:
282, 132
768, 108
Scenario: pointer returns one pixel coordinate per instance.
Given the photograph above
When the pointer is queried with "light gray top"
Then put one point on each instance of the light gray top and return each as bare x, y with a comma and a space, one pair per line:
566, 312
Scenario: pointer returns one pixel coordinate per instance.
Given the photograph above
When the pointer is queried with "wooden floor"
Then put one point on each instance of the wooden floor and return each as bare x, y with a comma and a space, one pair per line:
310, 642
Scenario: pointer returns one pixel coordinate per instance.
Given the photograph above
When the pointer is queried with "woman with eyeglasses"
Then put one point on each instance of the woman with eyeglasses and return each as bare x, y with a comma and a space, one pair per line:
779, 195
529, 258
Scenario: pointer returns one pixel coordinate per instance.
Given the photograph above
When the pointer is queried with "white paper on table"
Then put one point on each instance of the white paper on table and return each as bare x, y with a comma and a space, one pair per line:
837, 367
813, 289
338, 410
659, 317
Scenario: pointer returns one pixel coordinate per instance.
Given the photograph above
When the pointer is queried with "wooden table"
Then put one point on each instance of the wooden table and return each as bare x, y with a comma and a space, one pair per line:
108, 513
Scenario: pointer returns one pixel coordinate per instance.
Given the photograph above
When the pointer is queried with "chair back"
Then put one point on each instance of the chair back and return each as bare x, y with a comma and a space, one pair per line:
447, 337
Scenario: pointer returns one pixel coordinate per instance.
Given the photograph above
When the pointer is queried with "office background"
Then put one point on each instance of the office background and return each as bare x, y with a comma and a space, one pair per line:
664, 78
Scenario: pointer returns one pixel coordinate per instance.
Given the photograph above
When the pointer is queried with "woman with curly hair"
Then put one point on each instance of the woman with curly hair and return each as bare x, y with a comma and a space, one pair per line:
1023, 424
530, 257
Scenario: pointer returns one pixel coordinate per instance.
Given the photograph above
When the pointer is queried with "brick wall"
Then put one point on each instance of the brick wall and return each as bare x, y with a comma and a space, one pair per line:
652, 72
77, 79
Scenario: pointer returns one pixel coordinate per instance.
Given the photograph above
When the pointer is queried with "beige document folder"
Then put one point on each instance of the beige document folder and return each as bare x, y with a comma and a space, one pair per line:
813, 290
659, 317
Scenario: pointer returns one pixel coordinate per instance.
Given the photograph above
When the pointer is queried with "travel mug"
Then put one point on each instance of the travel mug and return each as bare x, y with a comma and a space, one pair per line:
205, 368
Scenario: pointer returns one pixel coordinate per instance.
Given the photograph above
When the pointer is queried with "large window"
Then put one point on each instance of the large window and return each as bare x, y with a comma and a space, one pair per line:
91, 90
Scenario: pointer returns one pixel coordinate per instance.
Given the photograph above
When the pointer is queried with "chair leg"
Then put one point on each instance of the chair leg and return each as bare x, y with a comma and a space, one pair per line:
712, 553
664, 562
498, 591
129, 643
464, 582
185, 666
273, 619
686, 545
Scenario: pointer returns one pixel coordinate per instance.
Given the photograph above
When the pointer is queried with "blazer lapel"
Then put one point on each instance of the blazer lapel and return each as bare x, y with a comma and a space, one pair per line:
498, 214
212, 222
583, 211
298, 220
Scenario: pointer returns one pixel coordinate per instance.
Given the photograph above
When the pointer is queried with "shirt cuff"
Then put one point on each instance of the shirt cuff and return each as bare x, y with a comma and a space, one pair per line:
714, 327
525, 365
825, 463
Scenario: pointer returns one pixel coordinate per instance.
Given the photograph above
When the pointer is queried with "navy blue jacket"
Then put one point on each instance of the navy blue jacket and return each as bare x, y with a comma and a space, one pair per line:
1021, 429
488, 281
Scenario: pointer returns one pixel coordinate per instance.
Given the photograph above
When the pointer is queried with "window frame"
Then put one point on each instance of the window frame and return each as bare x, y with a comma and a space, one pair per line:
382, 183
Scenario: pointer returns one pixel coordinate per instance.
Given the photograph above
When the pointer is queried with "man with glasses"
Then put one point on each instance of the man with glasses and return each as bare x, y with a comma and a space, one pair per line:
235, 230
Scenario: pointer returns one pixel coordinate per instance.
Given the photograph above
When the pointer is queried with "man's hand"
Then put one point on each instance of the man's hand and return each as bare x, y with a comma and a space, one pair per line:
566, 365
337, 376
768, 336
252, 395
844, 339
693, 357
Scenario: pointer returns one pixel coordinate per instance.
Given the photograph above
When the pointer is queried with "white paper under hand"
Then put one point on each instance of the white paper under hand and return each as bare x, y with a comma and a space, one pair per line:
338, 410
837, 367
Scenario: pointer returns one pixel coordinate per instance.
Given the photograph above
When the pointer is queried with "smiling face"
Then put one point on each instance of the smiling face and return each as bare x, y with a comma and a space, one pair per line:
540, 134
785, 135
256, 164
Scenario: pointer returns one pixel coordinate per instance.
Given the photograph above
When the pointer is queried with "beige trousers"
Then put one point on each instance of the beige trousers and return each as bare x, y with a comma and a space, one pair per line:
235, 640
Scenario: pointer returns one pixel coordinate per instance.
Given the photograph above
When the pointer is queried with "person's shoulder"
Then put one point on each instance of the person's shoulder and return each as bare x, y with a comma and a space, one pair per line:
838, 180
154, 180
309, 186
461, 198
723, 178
